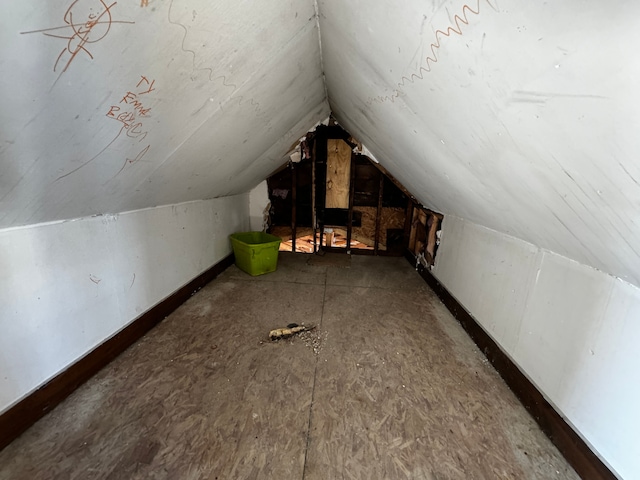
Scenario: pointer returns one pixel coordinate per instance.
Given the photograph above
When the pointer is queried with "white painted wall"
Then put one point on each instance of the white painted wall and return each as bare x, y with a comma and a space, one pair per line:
68, 286
573, 330
258, 201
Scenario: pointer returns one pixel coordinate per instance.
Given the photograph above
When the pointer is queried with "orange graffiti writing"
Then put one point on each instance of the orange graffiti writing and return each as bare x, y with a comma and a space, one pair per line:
133, 109
131, 112
458, 21
146, 80
89, 22
130, 161
140, 155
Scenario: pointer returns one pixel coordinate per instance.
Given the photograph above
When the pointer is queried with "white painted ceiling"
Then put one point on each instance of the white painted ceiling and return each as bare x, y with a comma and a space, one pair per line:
235, 83
521, 116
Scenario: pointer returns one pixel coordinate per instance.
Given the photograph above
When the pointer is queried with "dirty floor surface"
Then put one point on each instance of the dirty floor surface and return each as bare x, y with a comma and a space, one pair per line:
388, 386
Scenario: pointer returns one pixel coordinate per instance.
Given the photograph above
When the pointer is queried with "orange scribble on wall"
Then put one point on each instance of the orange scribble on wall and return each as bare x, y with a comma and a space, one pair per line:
425, 67
144, 3
131, 112
139, 156
89, 22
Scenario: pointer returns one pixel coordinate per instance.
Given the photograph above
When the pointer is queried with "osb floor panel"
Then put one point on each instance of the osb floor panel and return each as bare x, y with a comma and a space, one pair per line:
396, 390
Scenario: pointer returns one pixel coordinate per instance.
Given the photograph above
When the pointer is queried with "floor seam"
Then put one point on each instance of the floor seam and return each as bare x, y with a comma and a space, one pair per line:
325, 284
313, 389
253, 280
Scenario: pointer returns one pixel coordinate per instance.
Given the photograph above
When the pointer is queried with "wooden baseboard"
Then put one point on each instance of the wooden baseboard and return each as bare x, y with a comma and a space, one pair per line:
33, 407
568, 442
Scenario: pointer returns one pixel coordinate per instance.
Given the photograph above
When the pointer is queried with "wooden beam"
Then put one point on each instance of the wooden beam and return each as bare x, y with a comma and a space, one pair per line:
294, 205
314, 220
378, 215
320, 159
45, 398
414, 230
408, 215
390, 177
352, 185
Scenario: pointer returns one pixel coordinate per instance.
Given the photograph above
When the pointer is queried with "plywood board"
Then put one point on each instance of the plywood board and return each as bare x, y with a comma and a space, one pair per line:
338, 173
390, 218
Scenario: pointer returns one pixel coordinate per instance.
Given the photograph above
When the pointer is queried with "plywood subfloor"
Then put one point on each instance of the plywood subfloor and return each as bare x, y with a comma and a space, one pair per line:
387, 387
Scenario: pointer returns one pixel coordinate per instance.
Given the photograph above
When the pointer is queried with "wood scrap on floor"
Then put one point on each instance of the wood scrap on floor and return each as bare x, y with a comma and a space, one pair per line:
289, 331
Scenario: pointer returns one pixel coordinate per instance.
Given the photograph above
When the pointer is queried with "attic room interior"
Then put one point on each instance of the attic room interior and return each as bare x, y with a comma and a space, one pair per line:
456, 190
331, 197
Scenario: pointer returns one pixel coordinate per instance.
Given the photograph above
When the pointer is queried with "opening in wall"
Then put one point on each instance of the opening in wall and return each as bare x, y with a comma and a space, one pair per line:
424, 238
334, 198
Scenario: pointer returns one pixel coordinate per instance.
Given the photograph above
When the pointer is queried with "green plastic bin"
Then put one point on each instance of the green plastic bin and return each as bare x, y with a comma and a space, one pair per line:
256, 252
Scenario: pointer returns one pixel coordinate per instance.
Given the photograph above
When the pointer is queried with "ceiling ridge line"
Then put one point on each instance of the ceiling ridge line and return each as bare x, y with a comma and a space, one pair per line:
324, 78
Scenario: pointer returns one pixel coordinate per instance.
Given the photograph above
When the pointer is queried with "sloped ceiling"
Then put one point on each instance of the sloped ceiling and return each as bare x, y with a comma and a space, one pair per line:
517, 115
111, 106
520, 116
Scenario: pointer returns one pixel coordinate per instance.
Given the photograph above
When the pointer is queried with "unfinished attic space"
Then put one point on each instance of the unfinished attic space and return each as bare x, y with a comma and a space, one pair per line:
453, 189
332, 197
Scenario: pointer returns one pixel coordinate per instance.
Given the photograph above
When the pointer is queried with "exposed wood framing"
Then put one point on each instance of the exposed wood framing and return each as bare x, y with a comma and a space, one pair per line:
378, 216
414, 231
352, 192
344, 187
294, 205
314, 224
407, 223
434, 226
391, 177
425, 224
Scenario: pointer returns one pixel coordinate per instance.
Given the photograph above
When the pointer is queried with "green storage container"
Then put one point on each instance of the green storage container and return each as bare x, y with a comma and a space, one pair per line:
256, 252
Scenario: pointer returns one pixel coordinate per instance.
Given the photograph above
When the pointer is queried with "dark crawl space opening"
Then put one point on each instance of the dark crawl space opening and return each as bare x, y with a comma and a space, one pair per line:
331, 197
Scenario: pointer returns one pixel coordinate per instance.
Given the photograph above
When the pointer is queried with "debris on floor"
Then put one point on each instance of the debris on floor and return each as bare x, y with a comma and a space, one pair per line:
311, 336
313, 339
290, 330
